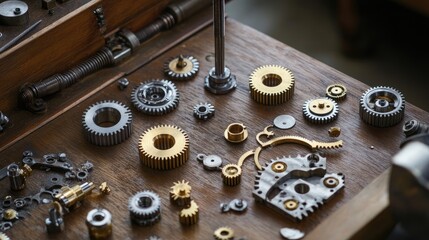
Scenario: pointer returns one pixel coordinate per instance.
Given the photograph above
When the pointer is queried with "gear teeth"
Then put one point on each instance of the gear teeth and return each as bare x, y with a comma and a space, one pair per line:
224, 233
145, 208
155, 97
271, 84
180, 193
320, 111
336, 92
176, 72
204, 111
189, 216
231, 174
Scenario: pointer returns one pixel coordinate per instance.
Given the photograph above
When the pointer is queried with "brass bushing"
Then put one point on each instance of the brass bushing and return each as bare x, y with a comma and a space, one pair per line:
236, 133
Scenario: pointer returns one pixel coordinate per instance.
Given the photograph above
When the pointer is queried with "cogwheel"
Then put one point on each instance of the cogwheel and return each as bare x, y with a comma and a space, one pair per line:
181, 67
107, 123
224, 233
145, 208
155, 97
180, 193
320, 111
231, 174
337, 92
189, 216
382, 107
4, 236
271, 84
164, 147
204, 111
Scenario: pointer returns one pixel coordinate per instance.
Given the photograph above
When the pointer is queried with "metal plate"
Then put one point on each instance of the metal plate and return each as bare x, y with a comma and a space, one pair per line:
284, 122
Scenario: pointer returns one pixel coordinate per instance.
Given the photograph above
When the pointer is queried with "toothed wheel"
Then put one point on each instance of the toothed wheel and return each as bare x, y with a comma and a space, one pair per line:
320, 111
271, 84
181, 67
145, 208
224, 233
180, 193
337, 92
4, 236
164, 147
382, 107
204, 111
231, 174
107, 123
189, 215
155, 97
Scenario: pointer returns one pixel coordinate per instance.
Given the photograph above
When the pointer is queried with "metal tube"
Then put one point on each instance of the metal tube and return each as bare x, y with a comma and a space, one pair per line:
219, 35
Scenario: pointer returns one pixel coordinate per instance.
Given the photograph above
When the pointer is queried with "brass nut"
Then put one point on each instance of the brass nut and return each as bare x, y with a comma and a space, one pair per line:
231, 174
236, 133
279, 167
291, 204
330, 182
334, 131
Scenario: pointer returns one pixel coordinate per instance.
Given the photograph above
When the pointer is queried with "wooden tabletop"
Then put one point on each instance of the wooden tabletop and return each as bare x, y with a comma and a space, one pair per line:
246, 49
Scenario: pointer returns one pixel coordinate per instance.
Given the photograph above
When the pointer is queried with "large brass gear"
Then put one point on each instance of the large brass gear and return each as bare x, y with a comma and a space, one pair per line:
164, 147
271, 84
190, 215
224, 233
231, 174
180, 193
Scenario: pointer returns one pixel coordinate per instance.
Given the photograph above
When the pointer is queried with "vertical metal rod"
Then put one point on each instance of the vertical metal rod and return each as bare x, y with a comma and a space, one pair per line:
219, 35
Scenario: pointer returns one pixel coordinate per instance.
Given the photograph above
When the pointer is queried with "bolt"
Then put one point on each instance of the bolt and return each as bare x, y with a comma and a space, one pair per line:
239, 203
62, 157
17, 11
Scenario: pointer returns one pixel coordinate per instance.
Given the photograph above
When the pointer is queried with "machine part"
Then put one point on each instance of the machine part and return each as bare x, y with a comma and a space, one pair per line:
181, 67
334, 131
55, 223
236, 133
291, 233
414, 127
87, 166
296, 186
49, 4
69, 197
101, 21
107, 123
284, 122
190, 215
13, 13
99, 223
7, 202
4, 236
320, 111
19, 36
19, 203
164, 147
10, 214
39, 198
4, 120
180, 193
123, 83
155, 97
145, 208
18, 176
210, 162
231, 174
219, 80
237, 205
336, 92
271, 84
82, 175
50, 161
104, 188
224, 233
382, 107
204, 111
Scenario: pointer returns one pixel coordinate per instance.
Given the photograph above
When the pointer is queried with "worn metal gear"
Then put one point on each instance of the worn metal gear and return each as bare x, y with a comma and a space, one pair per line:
320, 110
382, 106
189, 215
145, 208
224, 233
181, 67
337, 92
271, 84
180, 193
164, 147
204, 111
231, 174
107, 123
155, 97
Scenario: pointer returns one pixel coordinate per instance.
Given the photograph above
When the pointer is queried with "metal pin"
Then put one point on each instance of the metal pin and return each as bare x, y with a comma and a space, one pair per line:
21, 35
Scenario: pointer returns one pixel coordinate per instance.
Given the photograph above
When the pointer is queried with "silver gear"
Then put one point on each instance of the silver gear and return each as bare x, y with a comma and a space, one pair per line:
320, 110
145, 208
108, 111
204, 111
155, 97
181, 67
382, 106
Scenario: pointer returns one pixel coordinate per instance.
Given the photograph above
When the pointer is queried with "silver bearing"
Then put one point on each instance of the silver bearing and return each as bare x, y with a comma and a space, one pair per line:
145, 208
107, 123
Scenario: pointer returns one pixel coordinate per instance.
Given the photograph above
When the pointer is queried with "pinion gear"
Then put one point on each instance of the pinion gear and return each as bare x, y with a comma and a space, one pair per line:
231, 174
337, 92
145, 208
181, 67
224, 233
180, 193
320, 111
155, 97
190, 215
204, 111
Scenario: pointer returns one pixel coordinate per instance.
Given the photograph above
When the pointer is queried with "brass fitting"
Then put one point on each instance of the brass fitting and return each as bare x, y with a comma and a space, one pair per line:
236, 133
99, 223
68, 197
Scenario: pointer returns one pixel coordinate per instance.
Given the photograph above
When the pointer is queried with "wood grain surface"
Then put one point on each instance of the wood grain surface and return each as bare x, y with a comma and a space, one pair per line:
120, 166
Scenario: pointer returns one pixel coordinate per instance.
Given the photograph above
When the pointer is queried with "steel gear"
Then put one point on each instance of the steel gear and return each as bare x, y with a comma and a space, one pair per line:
164, 147
190, 215
337, 92
382, 107
231, 174
181, 67
107, 123
271, 84
224, 233
155, 97
204, 111
320, 111
145, 208
180, 193
4, 236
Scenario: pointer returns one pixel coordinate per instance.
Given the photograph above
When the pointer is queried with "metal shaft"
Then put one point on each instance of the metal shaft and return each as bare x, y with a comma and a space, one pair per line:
219, 35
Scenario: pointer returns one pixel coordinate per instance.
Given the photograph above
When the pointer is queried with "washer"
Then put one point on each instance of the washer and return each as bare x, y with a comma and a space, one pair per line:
284, 122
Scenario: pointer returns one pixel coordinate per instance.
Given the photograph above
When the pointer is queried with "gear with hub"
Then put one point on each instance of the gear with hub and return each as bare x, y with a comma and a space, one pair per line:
155, 97
180, 193
145, 208
189, 215
320, 110
181, 67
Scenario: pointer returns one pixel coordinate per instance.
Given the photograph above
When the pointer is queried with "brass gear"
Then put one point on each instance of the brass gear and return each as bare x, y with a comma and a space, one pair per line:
180, 193
231, 174
190, 215
164, 147
224, 233
271, 84
181, 67
337, 92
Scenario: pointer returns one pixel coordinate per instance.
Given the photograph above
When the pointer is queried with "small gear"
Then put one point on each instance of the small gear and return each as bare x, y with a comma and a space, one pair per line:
382, 107
155, 97
320, 111
4, 236
190, 215
180, 193
337, 92
181, 67
224, 233
145, 208
231, 174
164, 147
107, 123
204, 111
271, 84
